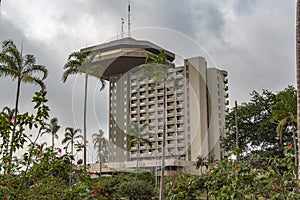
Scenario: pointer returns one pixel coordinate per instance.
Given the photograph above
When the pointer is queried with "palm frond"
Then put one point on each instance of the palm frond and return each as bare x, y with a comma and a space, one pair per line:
36, 69
34, 80
68, 72
4, 72
9, 61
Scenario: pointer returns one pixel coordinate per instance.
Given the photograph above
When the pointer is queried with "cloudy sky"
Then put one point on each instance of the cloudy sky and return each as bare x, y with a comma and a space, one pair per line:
252, 39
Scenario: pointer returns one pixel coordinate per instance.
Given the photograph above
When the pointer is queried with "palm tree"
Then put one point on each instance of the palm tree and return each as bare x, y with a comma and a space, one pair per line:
52, 128
82, 63
298, 78
135, 137
22, 69
71, 136
156, 68
101, 144
201, 162
284, 112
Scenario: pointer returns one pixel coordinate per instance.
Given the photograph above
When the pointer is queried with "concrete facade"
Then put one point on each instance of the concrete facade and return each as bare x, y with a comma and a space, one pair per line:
195, 99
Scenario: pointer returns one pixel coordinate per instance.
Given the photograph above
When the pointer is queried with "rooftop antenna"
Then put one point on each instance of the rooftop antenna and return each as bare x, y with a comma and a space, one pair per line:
122, 27
128, 18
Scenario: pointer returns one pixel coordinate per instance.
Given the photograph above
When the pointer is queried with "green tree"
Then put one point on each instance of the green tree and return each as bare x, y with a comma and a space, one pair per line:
81, 63
284, 112
71, 136
256, 131
52, 128
136, 136
21, 68
101, 145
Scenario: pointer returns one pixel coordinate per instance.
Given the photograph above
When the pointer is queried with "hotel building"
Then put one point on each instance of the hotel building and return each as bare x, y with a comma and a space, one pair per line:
194, 98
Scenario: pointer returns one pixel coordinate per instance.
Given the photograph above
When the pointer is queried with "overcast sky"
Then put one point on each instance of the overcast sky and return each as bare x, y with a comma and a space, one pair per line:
252, 39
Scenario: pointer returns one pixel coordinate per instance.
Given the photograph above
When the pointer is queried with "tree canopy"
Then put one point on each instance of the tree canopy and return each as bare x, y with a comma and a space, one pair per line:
257, 122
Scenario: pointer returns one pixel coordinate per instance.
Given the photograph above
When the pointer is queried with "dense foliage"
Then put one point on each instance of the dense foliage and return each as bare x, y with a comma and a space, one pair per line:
258, 121
255, 178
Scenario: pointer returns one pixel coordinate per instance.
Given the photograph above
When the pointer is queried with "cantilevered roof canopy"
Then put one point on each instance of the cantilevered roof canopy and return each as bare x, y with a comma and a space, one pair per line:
120, 56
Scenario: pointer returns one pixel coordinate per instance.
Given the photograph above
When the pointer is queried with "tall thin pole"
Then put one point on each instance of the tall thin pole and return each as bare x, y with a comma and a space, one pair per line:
122, 28
298, 76
236, 131
156, 152
162, 178
129, 18
84, 121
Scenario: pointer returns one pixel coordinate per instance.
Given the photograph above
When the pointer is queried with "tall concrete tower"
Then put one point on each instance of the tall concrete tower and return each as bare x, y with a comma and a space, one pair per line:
195, 101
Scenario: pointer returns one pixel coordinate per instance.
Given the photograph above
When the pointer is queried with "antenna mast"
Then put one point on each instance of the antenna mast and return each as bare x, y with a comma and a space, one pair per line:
122, 27
128, 18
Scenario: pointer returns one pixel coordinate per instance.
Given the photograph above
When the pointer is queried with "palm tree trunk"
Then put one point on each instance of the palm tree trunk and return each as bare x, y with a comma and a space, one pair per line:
294, 139
99, 155
162, 178
100, 167
72, 141
280, 137
15, 119
137, 159
236, 131
298, 77
52, 142
84, 121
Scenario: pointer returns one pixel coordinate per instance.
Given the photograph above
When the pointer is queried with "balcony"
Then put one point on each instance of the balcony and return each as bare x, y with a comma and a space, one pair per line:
160, 122
143, 118
170, 114
171, 135
142, 110
171, 145
179, 105
180, 135
151, 116
171, 99
133, 97
180, 145
142, 96
226, 88
180, 121
179, 98
133, 148
171, 129
133, 118
133, 112
152, 109
170, 122
226, 102
224, 73
133, 83
225, 80
180, 128
151, 94
171, 107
